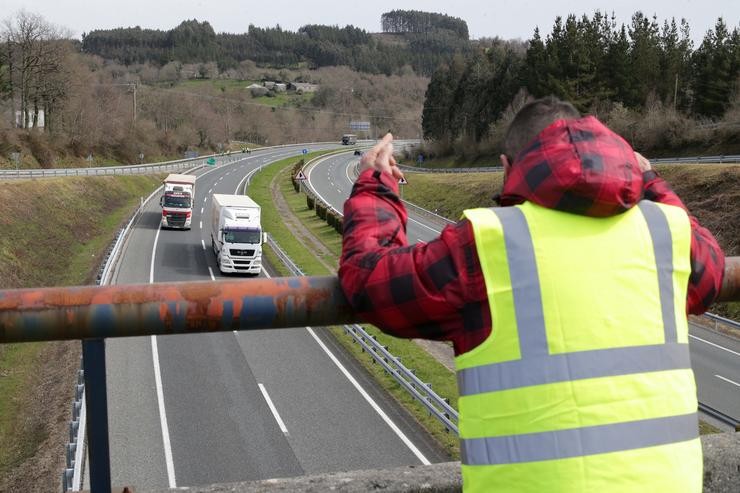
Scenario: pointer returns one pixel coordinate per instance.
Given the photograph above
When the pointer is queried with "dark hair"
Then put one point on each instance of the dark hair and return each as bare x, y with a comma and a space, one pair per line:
532, 119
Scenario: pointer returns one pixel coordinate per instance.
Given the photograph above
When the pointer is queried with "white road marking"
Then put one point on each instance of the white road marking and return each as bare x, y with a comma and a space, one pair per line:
201, 225
203, 242
210, 271
370, 401
210, 190
204, 199
158, 384
273, 409
201, 210
366, 396
154, 252
728, 380
163, 416
715, 345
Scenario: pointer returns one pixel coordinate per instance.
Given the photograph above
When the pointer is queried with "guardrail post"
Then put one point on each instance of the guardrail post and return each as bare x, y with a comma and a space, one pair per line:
96, 400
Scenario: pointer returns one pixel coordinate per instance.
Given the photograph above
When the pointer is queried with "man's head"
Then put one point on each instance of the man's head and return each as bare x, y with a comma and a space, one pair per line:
532, 119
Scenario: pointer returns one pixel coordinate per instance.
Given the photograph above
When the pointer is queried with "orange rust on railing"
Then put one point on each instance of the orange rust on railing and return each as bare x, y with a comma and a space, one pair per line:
730, 290
90, 312
170, 308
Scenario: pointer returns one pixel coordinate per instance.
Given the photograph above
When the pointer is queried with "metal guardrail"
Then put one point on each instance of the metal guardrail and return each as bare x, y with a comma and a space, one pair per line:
732, 159
414, 169
722, 320
134, 169
138, 169
437, 406
720, 416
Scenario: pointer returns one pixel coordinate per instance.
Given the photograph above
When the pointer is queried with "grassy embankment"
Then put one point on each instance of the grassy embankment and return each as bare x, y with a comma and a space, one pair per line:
54, 232
428, 369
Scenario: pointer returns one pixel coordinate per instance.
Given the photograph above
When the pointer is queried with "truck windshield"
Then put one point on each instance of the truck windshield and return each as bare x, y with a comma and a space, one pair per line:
242, 236
175, 201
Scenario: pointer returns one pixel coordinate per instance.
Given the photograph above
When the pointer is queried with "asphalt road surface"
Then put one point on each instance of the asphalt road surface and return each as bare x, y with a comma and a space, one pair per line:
198, 409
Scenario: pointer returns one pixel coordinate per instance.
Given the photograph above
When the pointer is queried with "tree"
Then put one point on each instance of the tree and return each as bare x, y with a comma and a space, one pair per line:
644, 58
716, 70
34, 54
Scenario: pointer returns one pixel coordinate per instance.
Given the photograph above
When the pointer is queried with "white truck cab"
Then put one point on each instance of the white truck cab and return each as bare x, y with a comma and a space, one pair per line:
236, 234
177, 201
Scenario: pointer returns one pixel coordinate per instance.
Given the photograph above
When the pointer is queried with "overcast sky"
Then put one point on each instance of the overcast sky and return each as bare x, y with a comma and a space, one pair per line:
486, 18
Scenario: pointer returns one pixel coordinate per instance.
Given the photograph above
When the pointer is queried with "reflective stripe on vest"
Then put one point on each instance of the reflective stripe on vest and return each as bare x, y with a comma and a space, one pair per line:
576, 442
537, 366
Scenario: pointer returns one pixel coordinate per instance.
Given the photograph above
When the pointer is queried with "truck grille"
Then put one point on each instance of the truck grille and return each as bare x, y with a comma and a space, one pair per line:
176, 219
241, 253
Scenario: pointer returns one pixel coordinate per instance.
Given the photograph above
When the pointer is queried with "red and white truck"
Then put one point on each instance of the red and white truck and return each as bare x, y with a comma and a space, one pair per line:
177, 201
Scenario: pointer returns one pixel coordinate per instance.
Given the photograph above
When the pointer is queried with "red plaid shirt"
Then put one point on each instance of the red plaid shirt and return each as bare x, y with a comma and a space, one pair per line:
436, 290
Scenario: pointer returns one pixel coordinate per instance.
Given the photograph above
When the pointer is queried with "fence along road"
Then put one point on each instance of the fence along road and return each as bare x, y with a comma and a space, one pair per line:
715, 357
236, 406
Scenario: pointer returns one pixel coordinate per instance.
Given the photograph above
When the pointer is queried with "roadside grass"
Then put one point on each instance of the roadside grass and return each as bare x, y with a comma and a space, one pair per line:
426, 367
18, 363
451, 193
55, 231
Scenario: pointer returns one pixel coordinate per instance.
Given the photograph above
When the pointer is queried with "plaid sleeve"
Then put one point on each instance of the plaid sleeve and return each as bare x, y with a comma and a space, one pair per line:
707, 258
429, 290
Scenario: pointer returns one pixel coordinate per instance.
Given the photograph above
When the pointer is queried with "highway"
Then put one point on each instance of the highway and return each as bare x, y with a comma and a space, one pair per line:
715, 357
191, 410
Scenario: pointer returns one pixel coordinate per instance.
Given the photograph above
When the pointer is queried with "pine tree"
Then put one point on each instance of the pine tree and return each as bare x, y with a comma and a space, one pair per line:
716, 70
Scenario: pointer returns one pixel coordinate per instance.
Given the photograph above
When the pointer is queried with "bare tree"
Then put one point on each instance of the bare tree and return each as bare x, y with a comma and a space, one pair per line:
34, 53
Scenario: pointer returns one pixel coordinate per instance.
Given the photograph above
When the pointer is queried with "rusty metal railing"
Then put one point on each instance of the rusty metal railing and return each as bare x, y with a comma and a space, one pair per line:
94, 312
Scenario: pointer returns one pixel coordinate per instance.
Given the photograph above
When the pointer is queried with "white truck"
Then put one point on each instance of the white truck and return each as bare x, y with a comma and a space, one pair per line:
177, 201
236, 234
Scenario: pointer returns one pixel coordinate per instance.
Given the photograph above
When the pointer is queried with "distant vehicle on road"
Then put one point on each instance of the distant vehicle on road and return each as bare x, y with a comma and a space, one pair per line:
177, 201
358, 152
349, 139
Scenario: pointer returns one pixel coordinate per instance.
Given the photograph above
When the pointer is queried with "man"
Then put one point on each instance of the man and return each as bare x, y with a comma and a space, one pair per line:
566, 308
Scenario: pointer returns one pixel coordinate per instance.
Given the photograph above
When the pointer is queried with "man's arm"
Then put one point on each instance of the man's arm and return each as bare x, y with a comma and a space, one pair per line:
707, 258
432, 290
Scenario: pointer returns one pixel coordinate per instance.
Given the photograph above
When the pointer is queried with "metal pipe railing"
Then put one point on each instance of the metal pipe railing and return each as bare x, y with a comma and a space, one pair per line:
730, 290
92, 312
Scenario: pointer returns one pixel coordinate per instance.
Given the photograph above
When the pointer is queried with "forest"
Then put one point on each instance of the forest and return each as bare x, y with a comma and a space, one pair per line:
420, 39
645, 79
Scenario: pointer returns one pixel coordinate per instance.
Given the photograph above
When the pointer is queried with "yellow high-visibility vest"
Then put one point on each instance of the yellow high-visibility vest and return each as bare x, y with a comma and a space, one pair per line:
585, 383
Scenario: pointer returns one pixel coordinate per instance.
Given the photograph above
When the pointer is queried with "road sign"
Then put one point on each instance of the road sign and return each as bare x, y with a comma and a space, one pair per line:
211, 161
359, 125
305, 151
300, 176
402, 181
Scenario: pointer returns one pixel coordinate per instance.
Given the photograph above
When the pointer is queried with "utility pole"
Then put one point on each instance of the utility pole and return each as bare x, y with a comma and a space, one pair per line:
675, 93
133, 113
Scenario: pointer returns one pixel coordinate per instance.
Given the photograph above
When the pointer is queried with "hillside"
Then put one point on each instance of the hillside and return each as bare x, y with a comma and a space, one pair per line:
54, 232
